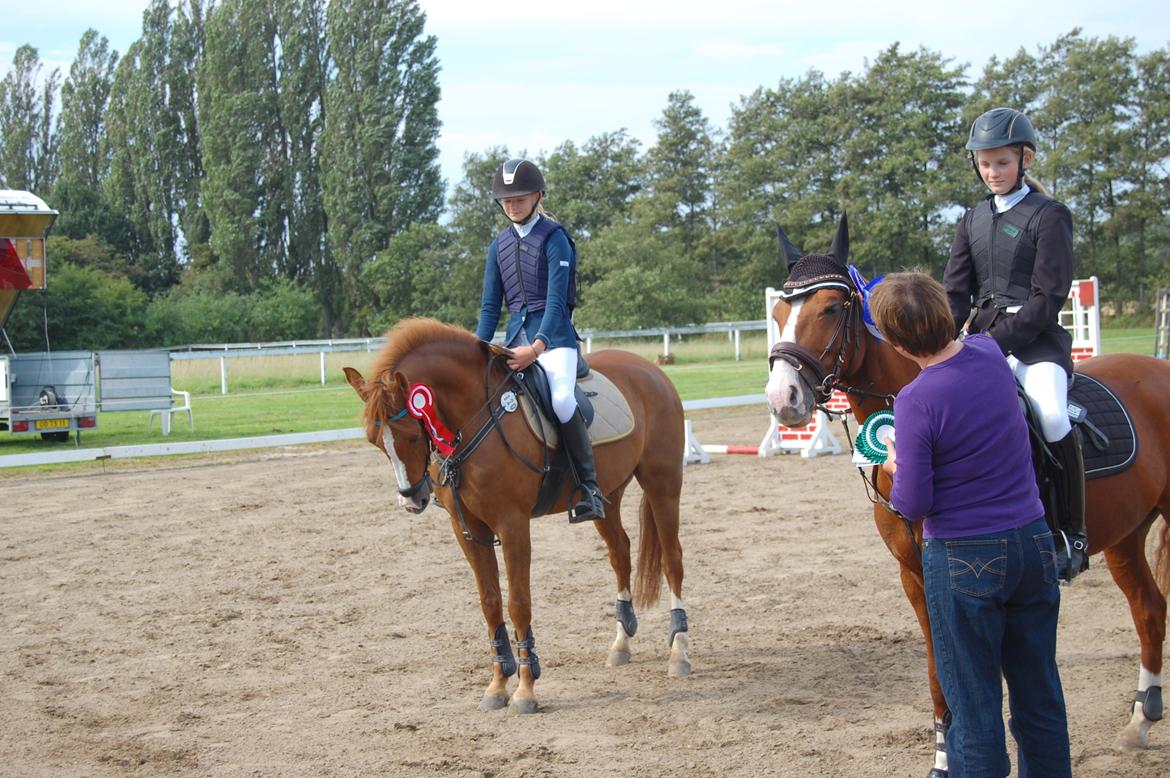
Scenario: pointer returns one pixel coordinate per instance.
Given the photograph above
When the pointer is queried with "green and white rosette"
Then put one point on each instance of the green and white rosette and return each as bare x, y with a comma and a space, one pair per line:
871, 446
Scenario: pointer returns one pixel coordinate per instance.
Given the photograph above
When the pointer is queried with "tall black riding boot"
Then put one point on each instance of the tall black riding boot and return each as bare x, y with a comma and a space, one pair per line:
1072, 550
580, 450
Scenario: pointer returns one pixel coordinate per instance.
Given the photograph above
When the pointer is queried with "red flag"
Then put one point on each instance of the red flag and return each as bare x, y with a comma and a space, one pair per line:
12, 272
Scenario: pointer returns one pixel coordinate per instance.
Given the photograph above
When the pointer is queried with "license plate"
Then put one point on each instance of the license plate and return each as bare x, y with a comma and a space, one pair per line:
52, 424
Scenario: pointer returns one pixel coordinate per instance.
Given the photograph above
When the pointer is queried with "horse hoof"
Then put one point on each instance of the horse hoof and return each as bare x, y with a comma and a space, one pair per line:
493, 702
679, 670
618, 658
522, 706
1131, 739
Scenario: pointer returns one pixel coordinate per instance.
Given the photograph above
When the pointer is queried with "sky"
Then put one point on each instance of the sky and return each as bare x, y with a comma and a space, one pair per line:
529, 76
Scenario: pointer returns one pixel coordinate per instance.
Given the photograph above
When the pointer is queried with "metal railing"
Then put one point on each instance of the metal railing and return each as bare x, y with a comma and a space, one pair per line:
226, 351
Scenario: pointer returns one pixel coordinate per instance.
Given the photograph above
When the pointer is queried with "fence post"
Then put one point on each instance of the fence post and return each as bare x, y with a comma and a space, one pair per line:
223, 375
589, 345
737, 345
322, 368
666, 344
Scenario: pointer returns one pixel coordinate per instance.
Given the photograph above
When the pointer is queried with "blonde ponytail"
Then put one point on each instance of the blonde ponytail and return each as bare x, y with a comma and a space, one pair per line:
1036, 186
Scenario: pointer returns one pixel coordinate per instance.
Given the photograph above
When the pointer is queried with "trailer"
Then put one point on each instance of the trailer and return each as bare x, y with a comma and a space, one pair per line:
50, 394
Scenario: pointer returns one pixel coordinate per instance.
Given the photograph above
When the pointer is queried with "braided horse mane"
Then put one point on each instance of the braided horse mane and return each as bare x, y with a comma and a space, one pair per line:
384, 397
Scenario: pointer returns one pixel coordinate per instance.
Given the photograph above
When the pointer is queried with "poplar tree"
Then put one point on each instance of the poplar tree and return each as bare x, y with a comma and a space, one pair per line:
379, 153
156, 160
28, 141
85, 150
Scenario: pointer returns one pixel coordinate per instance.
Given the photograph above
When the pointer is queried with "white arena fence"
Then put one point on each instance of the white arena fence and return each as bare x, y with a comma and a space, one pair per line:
225, 352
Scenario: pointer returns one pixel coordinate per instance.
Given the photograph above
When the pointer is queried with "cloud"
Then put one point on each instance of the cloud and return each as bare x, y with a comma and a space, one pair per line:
730, 48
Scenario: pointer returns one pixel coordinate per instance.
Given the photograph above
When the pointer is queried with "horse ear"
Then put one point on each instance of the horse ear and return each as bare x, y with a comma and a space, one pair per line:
356, 381
840, 247
791, 253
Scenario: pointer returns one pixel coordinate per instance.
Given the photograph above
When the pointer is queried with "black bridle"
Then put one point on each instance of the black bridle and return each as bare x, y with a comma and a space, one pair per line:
846, 339
450, 472
809, 366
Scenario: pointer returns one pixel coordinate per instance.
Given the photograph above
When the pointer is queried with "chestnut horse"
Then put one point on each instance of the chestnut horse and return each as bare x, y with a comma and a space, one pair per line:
825, 345
486, 469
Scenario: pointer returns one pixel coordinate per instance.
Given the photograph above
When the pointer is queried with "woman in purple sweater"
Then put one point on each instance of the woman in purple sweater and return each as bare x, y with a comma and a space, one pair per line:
963, 465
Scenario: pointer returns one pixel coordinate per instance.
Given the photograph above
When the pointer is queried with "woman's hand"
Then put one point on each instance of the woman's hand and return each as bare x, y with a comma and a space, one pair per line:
524, 356
890, 465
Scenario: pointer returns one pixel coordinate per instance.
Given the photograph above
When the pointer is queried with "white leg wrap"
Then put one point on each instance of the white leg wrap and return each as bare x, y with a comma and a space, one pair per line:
940, 751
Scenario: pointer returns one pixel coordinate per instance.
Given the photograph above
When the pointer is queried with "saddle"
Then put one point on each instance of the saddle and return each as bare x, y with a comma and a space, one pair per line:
1103, 426
607, 417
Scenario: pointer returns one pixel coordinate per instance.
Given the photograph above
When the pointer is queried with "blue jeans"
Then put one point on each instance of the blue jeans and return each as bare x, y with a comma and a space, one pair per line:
993, 602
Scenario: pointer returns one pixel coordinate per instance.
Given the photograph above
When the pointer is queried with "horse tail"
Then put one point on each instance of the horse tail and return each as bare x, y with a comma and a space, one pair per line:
1162, 565
648, 579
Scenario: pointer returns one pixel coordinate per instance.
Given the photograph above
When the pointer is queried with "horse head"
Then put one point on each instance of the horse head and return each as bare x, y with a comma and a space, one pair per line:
821, 329
397, 434
426, 373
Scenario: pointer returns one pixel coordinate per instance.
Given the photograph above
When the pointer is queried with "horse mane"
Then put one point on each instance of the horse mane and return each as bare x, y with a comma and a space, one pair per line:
401, 339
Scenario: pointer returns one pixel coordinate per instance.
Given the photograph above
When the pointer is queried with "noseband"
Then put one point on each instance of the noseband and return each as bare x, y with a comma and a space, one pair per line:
810, 367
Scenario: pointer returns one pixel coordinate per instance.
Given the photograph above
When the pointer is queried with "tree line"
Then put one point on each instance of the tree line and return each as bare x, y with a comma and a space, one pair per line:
268, 169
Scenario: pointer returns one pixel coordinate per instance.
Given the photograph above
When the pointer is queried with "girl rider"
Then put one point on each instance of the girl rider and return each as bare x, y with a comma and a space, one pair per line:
532, 266
1009, 275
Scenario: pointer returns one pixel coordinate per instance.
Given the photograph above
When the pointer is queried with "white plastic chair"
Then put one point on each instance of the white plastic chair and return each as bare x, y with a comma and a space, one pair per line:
165, 414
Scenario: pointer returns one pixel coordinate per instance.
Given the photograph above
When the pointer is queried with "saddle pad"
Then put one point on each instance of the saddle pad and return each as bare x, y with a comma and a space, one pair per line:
1107, 414
612, 419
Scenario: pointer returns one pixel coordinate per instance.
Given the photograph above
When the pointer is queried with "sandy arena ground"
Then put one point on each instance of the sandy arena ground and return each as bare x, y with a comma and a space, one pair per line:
273, 614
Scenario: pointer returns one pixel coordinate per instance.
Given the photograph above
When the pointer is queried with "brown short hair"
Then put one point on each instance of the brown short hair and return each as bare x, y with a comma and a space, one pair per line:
911, 311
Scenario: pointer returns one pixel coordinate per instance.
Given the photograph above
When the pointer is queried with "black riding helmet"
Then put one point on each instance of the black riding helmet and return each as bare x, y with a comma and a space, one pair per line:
516, 178
1001, 127
997, 128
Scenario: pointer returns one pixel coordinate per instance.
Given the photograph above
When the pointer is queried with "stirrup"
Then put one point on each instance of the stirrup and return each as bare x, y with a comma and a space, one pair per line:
589, 507
1072, 556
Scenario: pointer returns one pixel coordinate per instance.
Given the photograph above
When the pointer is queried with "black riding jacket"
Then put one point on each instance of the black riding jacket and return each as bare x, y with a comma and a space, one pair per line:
1022, 258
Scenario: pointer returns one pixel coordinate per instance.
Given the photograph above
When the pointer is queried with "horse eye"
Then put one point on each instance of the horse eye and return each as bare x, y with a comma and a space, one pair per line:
831, 310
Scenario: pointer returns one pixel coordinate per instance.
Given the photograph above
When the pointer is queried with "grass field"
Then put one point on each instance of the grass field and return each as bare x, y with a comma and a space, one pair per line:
283, 394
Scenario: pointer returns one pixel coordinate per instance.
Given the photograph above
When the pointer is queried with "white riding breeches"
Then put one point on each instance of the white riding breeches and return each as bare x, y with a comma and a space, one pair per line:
1046, 385
561, 366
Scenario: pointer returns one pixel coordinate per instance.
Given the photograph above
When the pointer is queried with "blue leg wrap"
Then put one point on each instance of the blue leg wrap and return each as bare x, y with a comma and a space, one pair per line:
624, 613
678, 623
532, 660
503, 648
1151, 700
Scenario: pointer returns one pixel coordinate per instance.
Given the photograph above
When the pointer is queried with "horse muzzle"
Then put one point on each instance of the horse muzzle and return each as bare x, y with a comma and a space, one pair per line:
790, 399
418, 496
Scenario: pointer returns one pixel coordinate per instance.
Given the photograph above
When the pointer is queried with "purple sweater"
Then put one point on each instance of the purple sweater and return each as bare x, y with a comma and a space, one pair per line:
963, 454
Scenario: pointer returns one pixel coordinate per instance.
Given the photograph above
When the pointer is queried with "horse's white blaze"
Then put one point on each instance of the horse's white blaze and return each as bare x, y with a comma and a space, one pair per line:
399, 468
782, 378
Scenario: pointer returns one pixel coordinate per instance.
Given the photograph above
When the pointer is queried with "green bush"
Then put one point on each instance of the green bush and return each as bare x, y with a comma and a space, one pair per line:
82, 308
